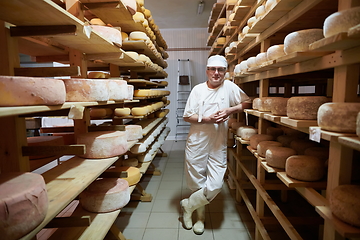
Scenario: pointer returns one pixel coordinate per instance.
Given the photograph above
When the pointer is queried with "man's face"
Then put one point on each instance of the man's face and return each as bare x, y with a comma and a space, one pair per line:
215, 76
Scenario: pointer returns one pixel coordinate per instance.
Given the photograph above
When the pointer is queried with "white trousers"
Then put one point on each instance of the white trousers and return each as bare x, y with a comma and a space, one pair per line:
205, 158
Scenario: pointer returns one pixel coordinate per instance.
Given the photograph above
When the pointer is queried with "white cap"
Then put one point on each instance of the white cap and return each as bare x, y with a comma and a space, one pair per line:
217, 61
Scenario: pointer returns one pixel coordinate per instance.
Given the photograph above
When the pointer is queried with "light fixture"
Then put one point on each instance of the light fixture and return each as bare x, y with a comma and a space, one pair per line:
200, 7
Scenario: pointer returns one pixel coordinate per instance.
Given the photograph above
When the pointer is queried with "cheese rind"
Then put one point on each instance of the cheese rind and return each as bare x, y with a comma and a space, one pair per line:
109, 33
344, 203
299, 41
133, 174
26, 91
265, 145
300, 145
118, 90
105, 195
103, 144
304, 108
305, 168
278, 106
256, 139
341, 21
134, 132
338, 116
122, 112
23, 203
276, 156
86, 90
275, 52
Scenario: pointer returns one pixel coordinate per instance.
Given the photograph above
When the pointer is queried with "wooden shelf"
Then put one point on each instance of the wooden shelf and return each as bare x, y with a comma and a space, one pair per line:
270, 169
339, 41
298, 123
351, 142
293, 183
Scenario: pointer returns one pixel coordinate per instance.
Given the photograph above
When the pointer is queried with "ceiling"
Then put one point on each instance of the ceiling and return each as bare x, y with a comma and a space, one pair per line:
179, 14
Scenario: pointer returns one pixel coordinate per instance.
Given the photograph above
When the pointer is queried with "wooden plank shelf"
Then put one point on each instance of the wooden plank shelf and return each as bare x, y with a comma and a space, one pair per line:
298, 123
242, 141
344, 229
334, 136
272, 117
296, 57
339, 41
270, 169
214, 15
351, 142
293, 183
265, 66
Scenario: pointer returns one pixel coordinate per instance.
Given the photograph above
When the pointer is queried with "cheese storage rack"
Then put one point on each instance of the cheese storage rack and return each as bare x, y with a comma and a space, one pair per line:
332, 66
24, 29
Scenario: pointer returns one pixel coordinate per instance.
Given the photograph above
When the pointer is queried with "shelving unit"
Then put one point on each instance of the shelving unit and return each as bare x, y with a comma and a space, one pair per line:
332, 65
53, 31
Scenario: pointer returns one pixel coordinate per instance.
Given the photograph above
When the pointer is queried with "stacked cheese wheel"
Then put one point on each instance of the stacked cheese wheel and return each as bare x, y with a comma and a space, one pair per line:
110, 33
304, 108
133, 132
341, 21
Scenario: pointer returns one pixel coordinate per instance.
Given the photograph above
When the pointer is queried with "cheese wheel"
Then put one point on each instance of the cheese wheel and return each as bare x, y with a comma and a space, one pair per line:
264, 145
26, 91
140, 2
103, 144
131, 6
245, 30
96, 113
133, 132
44, 141
138, 17
278, 106
130, 162
256, 139
133, 173
23, 203
251, 62
304, 108
109, 33
98, 75
124, 36
68, 137
142, 92
341, 21
162, 113
221, 40
276, 156
305, 168
251, 21
137, 35
130, 92
86, 90
345, 205
256, 103
247, 133
105, 195
261, 58
139, 111
338, 116
143, 58
285, 140
118, 90
320, 152
97, 21
265, 103
274, 131
270, 4
122, 112
147, 13
276, 51
299, 41
221, 21
300, 145
260, 11
133, 55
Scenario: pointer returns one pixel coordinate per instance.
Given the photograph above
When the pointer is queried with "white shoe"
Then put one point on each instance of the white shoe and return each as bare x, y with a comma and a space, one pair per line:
199, 226
188, 205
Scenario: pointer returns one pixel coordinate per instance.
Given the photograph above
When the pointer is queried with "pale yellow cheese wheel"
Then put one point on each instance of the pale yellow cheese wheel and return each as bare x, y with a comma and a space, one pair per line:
221, 40
132, 172
251, 21
162, 113
137, 35
97, 21
338, 116
305, 168
276, 156
105, 195
251, 62
256, 139
124, 36
23, 203
25, 91
275, 52
264, 145
97, 113
341, 21
142, 92
304, 108
345, 205
299, 41
98, 75
139, 111
261, 58
133, 55
138, 17
122, 112
260, 11
221, 21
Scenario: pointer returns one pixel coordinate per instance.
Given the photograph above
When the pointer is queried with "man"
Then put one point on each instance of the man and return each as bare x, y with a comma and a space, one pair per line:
207, 109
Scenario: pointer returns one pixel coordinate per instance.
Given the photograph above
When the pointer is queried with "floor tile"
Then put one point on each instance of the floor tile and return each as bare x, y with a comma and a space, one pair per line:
174, 193
164, 221
190, 235
170, 185
160, 234
138, 206
166, 205
132, 220
230, 234
226, 220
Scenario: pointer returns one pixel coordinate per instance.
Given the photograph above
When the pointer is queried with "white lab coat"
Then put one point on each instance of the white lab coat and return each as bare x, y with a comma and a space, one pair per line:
205, 152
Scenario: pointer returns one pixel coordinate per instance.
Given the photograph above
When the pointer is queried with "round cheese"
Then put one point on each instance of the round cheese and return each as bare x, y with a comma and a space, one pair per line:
139, 111
276, 51
98, 75
137, 35
221, 21
97, 21
221, 40
265, 145
300, 145
122, 112
124, 36
142, 92
130, 162
251, 21
256, 139
109, 33
138, 17
305, 168
133, 132
140, 2
103, 144
130, 92
261, 58
320, 152
246, 132
118, 90
131, 6
274, 131
25, 91
341, 21
162, 113
299, 41
147, 13
133, 55
86, 90
243, 66
304, 108
256, 103
44, 141
251, 62
96, 113
276, 156
270, 4
105, 195
23, 203
133, 174
285, 140
264, 104
345, 205
338, 116
260, 11
278, 106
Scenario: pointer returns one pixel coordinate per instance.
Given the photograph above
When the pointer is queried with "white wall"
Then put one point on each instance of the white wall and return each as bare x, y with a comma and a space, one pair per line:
184, 44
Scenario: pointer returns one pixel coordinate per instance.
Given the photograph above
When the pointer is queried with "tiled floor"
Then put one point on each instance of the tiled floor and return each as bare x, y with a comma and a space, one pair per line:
160, 219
